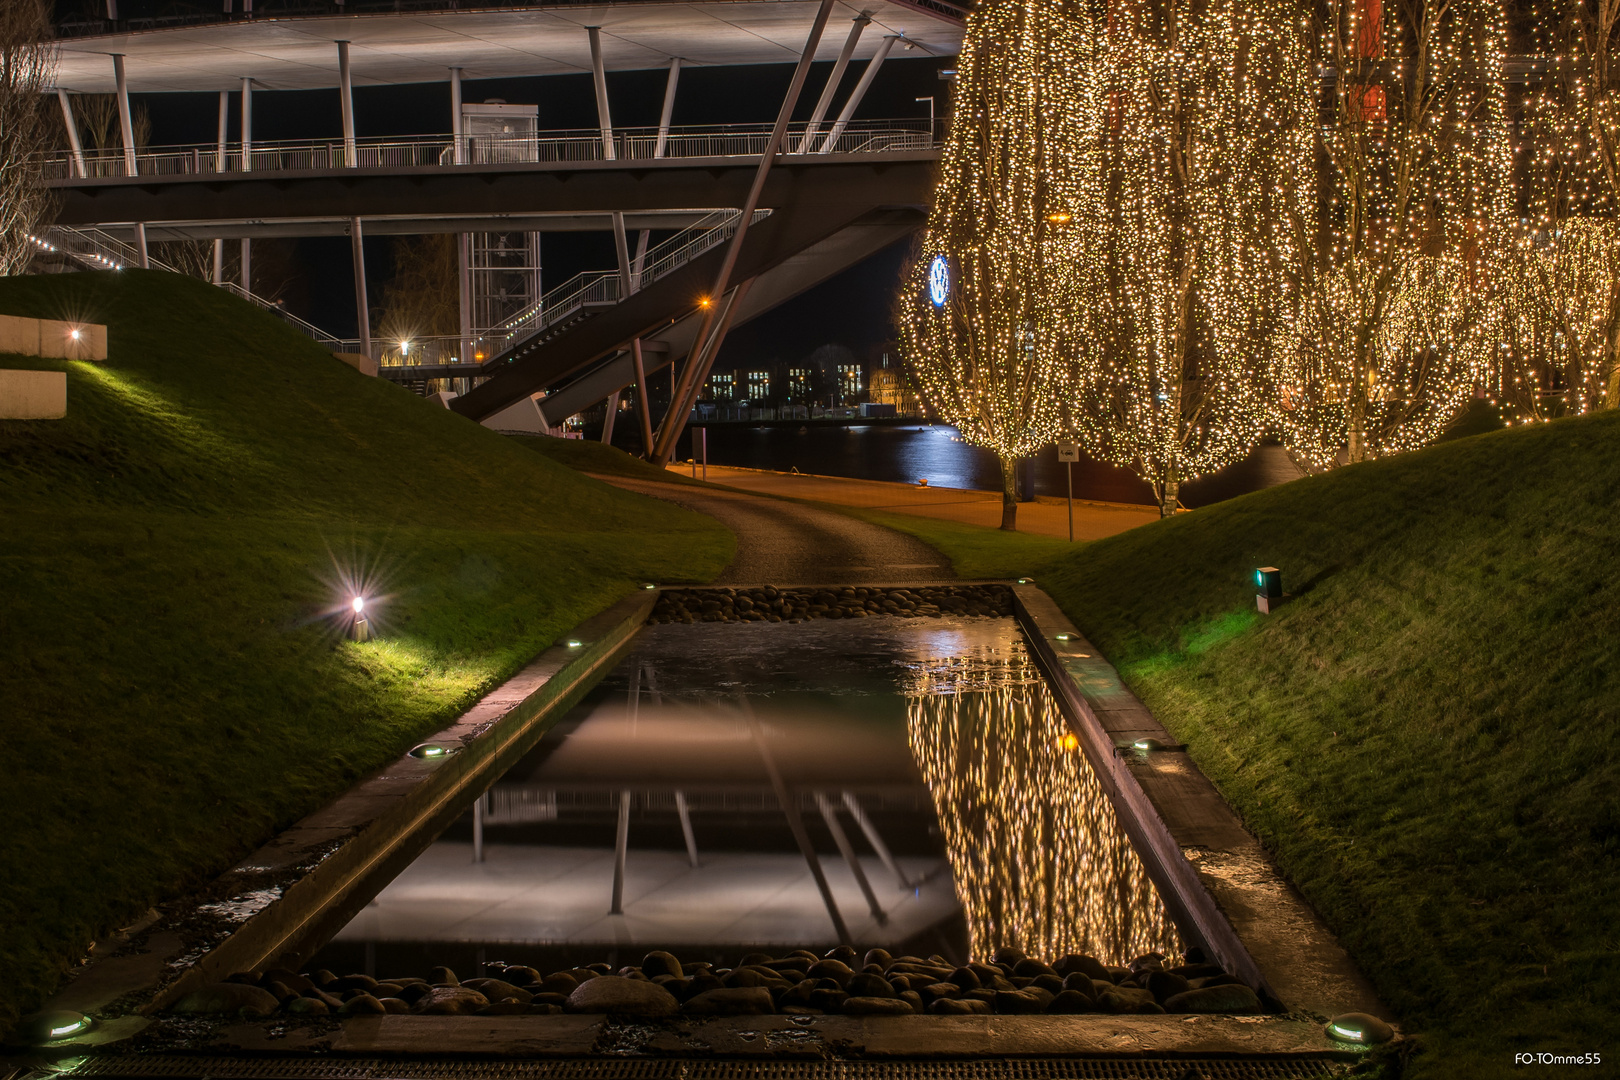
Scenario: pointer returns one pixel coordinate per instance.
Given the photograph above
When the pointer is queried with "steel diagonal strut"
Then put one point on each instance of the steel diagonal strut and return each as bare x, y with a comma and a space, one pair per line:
697, 368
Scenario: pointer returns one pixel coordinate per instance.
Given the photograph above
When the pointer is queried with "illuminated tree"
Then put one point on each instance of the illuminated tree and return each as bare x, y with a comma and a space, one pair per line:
1559, 323
1190, 233
1559, 304
1394, 334
27, 69
991, 335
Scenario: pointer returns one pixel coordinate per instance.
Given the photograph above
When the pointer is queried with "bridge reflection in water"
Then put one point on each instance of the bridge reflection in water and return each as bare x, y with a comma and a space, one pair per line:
738, 787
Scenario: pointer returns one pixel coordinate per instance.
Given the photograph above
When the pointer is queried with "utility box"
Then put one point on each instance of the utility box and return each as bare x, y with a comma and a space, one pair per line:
874, 409
33, 395
499, 134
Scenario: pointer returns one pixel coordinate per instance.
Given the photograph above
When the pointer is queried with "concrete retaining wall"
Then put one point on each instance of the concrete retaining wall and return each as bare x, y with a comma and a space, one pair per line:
52, 338
33, 395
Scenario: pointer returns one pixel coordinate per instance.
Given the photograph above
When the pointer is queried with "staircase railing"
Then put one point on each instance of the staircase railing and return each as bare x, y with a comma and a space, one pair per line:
97, 250
586, 289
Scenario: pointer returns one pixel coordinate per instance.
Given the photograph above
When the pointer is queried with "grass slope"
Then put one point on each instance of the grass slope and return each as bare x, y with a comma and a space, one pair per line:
1425, 737
173, 691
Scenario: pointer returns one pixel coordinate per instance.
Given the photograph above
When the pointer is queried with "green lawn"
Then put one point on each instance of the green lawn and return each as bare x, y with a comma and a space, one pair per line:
174, 688
1426, 736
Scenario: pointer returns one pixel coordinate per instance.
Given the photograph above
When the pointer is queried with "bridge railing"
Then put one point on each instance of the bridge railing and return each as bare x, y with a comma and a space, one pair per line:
635, 144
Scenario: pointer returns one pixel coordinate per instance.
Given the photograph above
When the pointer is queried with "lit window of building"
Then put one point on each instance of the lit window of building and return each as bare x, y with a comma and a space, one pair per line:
849, 379
759, 384
722, 387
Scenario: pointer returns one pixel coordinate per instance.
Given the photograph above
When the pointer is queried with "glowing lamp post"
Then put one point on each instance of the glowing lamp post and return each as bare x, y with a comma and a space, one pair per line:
360, 628
1269, 594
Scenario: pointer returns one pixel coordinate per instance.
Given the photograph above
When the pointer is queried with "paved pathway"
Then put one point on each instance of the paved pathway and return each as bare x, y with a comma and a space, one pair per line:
786, 543
1045, 517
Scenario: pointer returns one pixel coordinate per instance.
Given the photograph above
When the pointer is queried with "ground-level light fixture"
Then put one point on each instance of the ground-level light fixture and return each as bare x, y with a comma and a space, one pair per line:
1026, 581
1361, 1028
431, 751
48, 1027
1268, 583
648, 585
75, 333
575, 643
1144, 745
1065, 637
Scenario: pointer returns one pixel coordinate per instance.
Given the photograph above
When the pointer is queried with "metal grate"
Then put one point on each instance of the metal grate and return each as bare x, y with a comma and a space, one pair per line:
160, 1067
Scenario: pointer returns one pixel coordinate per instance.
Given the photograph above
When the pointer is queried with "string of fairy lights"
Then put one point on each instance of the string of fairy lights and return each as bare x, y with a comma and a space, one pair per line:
1166, 228
1039, 859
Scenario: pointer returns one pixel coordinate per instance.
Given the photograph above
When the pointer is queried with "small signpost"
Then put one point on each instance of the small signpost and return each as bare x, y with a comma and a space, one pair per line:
1069, 453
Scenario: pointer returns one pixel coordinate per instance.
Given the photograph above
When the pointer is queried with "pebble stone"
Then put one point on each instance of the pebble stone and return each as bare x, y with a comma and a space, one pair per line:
841, 981
770, 604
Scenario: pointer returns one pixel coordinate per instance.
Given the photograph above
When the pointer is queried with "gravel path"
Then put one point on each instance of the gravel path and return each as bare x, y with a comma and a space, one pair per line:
786, 543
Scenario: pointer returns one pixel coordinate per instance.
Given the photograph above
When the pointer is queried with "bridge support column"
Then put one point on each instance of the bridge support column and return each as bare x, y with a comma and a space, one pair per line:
141, 254
458, 156
829, 92
346, 88
604, 117
247, 166
697, 369
126, 126
658, 151
72, 132
859, 92
608, 417
643, 405
219, 167
361, 310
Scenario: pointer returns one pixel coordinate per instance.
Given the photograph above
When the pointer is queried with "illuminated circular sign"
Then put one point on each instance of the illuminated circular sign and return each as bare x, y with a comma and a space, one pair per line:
939, 281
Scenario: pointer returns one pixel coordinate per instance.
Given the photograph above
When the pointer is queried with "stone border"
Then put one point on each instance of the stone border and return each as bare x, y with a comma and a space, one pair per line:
1196, 849
278, 905
788, 1036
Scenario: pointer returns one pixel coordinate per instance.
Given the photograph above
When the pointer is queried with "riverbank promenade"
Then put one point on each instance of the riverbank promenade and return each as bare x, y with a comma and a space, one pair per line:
1044, 517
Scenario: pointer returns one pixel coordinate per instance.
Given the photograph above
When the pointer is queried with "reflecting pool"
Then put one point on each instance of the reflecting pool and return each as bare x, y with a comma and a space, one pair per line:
730, 788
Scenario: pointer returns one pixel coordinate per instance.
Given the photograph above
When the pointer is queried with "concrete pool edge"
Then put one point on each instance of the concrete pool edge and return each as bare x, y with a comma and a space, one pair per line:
308, 880
1197, 850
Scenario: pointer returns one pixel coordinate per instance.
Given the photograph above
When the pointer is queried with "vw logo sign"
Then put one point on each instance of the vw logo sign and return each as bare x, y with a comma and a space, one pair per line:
939, 281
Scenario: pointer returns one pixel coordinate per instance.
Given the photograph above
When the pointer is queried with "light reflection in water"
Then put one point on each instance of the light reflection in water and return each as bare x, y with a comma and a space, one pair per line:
1040, 862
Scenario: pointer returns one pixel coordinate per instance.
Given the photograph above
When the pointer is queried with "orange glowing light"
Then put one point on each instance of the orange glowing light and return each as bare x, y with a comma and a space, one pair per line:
478, 356
703, 303
1060, 218
1069, 741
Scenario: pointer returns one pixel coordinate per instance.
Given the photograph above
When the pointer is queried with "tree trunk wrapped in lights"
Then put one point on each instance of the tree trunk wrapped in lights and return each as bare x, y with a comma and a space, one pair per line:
27, 70
1394, 337
1560, 303
986, 314
1559, 306
1207, 161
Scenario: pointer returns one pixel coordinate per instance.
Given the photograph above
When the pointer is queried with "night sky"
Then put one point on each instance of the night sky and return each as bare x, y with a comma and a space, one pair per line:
851, 309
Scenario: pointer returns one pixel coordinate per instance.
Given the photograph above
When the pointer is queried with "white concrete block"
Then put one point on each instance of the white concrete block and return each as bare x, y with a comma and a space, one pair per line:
19, 335
362, 363
72, 340
522, 416
33, 395
442, 398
